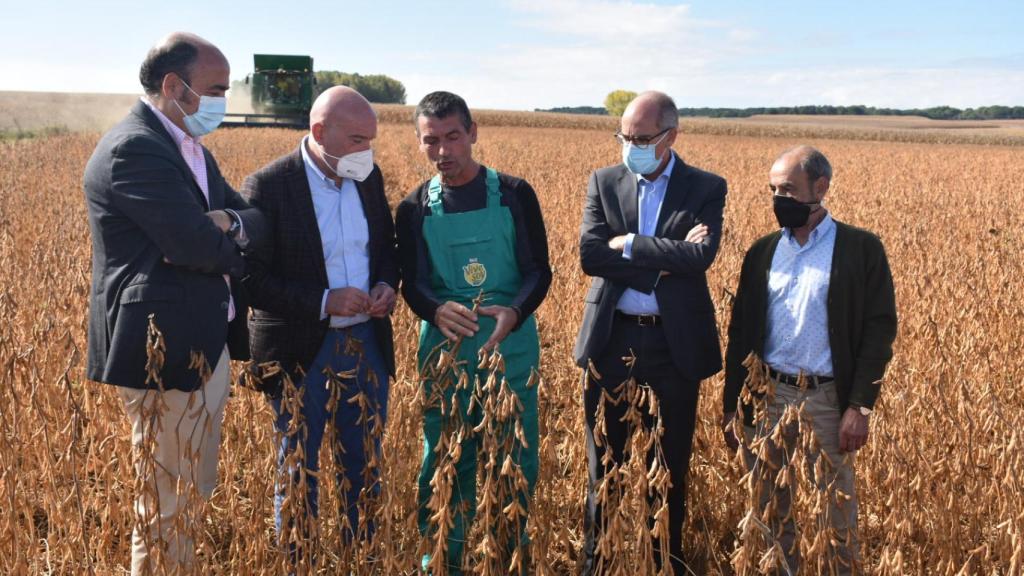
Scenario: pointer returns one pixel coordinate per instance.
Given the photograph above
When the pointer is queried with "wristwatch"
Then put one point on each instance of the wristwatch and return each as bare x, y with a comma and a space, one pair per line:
864, 410
236, 224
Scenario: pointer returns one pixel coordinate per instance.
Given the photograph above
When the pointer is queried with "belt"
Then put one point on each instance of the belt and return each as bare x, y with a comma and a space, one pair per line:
810, 381
344, 328
639, 319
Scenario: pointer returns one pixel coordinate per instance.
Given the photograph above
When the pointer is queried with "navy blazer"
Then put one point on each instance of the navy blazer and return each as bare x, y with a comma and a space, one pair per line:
693, 197
156, 254
288, 275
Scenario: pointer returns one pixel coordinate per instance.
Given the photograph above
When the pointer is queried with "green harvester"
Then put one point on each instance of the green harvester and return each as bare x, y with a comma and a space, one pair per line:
282, 89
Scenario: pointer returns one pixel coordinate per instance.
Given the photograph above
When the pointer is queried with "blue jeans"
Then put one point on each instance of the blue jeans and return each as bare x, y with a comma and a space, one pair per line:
348, 450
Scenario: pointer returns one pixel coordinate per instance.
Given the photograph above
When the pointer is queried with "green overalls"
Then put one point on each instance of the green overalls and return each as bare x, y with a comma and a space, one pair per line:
470, 251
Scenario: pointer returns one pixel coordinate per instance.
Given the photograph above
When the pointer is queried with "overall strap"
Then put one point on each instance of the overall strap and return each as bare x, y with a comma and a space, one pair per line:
434, 196
493, 193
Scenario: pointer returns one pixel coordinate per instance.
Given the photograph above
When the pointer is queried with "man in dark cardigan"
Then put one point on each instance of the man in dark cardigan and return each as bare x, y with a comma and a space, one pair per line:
816, 306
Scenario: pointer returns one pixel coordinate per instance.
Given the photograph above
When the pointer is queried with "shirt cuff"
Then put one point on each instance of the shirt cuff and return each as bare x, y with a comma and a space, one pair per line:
241, 239
627, 250
323, 306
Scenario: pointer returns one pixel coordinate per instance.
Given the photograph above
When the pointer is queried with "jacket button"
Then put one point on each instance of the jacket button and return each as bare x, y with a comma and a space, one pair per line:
223, 305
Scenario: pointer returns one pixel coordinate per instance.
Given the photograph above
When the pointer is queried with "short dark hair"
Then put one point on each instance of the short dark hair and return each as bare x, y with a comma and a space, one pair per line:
176, 56
442, 104
813, 163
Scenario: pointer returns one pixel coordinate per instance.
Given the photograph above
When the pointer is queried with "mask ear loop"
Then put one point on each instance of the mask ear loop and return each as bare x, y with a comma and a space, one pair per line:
175, 100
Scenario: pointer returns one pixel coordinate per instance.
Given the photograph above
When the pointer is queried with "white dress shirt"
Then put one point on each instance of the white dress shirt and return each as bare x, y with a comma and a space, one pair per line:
344, 234
798, 284
650, 196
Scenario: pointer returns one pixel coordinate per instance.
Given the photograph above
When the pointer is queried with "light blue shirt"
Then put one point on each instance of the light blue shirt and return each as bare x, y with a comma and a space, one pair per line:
344, 234
798, 284
650, 196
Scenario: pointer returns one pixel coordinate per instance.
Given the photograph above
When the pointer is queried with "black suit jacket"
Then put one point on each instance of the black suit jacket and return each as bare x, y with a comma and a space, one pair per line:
287, 275
144, 207
693, 197
861, 316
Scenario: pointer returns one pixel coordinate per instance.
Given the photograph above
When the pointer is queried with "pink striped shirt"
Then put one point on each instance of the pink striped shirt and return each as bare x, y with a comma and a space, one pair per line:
192, 152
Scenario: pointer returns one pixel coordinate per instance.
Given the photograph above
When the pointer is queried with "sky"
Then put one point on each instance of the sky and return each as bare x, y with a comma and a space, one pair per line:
526, 54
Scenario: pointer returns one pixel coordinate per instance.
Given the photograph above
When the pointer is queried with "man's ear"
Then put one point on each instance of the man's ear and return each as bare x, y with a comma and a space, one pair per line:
472, 133
171, 86
821, 187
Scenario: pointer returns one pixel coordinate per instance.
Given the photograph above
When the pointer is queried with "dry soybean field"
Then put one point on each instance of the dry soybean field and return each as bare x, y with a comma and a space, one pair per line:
940, 480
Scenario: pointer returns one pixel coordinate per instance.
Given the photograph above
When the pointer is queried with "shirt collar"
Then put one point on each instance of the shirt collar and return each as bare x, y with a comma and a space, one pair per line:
820, 231
311, 165
177, 134
666, 173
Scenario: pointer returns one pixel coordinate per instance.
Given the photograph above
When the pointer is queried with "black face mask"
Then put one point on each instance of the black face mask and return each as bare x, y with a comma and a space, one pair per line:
790, 212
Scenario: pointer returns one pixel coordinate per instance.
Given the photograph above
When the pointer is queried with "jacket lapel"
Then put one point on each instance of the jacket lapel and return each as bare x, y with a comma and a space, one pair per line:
675, 193
301, 198
628, 200
364, 199
216, 192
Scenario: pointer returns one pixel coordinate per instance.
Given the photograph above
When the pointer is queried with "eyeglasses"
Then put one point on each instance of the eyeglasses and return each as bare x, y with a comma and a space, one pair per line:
641, 142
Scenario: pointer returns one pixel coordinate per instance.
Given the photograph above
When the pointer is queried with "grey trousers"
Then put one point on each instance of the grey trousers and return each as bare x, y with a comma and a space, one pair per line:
833, 478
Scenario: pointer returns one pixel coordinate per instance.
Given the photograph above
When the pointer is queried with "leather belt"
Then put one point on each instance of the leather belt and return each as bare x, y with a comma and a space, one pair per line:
810, 380
639, 319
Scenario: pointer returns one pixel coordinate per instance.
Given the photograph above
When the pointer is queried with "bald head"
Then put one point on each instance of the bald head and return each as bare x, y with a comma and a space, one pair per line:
340, 104
341, 122
655, 105
177, 53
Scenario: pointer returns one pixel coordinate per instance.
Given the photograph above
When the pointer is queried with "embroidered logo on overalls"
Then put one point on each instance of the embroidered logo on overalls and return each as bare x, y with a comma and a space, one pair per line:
475, 273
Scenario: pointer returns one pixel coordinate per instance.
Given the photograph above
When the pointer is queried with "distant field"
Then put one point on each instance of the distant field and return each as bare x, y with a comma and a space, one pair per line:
31, 111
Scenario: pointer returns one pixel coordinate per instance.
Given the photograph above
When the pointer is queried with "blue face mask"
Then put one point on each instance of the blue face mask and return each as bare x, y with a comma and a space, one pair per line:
640, 160
207, 117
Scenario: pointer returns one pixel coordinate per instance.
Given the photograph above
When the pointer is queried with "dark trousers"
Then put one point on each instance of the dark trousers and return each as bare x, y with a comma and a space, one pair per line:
678, 403
348, 449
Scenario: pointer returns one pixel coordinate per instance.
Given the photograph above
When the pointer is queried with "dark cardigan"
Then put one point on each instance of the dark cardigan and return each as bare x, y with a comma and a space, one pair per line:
861, 316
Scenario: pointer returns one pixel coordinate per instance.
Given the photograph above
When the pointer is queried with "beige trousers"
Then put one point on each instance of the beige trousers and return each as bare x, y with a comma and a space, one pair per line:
175, 444
832, 478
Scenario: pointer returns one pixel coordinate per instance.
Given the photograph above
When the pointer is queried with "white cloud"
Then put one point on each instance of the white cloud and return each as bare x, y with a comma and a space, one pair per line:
574, 52
578, 51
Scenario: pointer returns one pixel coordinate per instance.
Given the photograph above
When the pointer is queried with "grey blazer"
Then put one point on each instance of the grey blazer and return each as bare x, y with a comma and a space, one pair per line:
693, 197
155, 253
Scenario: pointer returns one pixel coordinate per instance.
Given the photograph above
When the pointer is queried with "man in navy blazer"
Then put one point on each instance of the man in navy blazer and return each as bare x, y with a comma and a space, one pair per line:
166, 233
651, 229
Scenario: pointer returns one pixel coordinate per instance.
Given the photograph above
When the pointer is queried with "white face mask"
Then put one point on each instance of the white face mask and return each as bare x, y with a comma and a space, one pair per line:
356, 165
207, 117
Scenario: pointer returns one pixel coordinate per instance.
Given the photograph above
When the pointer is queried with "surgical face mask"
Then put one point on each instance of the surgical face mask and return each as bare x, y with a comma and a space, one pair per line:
790, 212
641, 160
207, 117
356, 165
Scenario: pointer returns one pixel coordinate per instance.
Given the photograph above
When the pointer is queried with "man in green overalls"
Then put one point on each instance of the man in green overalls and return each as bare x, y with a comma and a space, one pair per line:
469, 231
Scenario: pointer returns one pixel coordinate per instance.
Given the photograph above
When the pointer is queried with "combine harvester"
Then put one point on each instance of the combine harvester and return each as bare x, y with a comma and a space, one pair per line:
281, 88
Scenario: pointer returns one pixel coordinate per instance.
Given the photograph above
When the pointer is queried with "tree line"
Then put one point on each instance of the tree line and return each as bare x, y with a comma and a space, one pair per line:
374, 87
935, 113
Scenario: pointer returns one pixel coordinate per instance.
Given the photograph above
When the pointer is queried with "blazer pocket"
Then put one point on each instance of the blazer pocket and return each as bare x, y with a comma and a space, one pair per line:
152, 293
260, 318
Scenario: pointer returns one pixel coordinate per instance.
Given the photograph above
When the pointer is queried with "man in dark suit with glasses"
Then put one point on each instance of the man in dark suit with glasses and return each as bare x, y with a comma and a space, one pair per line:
651, 228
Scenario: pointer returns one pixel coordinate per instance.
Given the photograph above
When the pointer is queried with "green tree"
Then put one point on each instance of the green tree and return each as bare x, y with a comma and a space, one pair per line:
374, 87
616, 101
